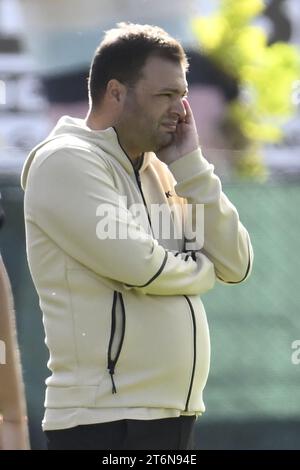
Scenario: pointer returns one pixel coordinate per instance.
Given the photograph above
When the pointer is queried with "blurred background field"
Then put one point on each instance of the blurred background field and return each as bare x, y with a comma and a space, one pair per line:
252, 396
253, 392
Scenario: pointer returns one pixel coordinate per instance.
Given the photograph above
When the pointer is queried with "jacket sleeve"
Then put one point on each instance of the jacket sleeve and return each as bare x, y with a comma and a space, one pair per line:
63, 195
226, 241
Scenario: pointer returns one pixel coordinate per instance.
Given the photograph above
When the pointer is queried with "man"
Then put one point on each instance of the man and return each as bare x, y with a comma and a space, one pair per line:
124, 323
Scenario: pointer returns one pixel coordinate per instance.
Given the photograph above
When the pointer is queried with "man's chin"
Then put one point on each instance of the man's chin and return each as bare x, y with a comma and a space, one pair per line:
165, 140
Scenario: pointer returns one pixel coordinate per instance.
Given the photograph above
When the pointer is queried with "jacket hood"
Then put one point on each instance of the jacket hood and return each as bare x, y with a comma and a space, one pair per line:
107, 140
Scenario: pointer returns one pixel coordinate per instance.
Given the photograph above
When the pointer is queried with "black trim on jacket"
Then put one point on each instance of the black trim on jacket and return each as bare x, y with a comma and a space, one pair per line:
247, 270
155, 275
195, 352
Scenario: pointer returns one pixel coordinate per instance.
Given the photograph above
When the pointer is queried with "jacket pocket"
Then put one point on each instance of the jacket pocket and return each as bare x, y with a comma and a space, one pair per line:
118, 323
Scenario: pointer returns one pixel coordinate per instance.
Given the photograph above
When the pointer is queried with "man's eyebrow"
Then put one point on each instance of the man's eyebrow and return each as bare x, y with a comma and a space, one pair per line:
173, 90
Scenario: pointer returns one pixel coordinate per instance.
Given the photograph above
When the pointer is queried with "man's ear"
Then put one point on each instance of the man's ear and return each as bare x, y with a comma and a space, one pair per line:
116, 91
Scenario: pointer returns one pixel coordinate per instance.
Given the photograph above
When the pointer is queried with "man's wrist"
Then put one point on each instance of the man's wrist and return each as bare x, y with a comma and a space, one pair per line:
177, 155
188, 165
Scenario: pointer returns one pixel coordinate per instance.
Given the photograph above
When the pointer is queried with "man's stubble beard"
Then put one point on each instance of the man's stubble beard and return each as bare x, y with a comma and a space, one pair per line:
168, 142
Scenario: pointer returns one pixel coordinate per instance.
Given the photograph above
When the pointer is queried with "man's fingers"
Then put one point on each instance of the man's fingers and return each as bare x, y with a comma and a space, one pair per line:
189, 114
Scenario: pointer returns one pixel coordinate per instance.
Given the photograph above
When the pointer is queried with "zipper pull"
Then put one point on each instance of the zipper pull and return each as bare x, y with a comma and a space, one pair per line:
111, 369
114, 390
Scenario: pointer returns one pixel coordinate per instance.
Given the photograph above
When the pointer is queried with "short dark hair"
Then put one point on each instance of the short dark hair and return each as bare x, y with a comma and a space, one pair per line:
123, 53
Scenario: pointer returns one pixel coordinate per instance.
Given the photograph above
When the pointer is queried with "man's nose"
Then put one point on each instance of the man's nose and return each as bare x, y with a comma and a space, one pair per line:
178, 108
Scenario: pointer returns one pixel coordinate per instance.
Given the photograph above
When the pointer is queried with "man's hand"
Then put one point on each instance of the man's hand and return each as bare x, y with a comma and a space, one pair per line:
185, 139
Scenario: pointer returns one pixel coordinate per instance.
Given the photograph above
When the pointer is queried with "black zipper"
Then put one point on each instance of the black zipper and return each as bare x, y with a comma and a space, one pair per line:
112, 362
195, 352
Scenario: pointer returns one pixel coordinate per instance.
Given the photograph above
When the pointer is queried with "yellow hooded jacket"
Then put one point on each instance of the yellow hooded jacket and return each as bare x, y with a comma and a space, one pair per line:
124, 322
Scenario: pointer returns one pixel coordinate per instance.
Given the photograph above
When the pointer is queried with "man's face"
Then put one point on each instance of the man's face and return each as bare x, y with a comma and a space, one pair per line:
154, 105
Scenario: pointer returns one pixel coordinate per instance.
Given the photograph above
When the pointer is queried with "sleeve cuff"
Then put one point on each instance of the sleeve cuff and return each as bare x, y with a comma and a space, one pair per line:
189, 165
